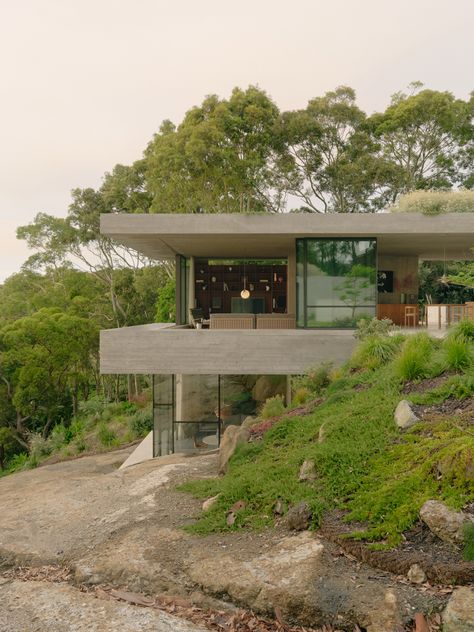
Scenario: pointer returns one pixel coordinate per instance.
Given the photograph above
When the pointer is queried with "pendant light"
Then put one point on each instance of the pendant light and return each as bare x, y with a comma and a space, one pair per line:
444, 279
245, 294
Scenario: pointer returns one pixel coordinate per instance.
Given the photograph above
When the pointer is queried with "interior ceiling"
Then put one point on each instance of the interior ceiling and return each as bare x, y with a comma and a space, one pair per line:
426, 246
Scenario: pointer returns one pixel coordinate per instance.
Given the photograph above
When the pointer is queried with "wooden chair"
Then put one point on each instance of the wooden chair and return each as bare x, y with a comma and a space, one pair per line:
411, 316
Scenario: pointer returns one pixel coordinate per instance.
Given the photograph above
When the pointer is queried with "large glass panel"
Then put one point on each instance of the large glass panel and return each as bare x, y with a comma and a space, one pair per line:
197, 413
337, 281
163, 414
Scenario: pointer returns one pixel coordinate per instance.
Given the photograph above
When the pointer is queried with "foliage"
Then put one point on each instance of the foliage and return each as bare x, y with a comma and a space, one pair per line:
468, 551
375, 350
435, 202
141, 423
414, 360
428, 136
449, 282
373, 326
458, 353
315, 379
328, 157
166, 303
273, 407
364, 466
464, 329
217, 159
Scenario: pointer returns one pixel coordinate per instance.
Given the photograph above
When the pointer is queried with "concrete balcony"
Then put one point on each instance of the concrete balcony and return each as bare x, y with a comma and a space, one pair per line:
169, 349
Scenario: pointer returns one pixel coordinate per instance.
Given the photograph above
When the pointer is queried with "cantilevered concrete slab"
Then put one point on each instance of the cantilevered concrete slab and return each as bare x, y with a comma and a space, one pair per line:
156, 349
162, 236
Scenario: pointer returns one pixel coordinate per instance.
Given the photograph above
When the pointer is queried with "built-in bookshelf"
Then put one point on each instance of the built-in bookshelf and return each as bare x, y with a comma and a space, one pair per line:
216, 285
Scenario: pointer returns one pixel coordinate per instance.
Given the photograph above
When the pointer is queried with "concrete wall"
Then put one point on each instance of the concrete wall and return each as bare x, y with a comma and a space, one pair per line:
169, 350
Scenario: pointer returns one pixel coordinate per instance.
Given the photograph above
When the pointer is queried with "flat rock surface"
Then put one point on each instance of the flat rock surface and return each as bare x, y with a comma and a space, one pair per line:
123, 528
40, 607
58, 512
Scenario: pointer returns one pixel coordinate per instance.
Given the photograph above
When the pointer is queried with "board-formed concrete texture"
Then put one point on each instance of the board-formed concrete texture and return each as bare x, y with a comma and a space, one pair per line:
162, 236
168, 350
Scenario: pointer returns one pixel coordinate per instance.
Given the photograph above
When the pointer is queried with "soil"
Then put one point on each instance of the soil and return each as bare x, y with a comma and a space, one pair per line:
427, 384
463, 408
442, 562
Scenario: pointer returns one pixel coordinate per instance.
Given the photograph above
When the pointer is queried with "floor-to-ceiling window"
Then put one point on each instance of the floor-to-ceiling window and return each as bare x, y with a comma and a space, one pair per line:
336, 281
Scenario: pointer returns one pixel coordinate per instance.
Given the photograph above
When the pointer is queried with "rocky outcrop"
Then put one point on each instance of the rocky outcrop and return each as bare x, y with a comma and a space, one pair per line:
210, 502
266, 387
307, 471
404, 415
298, 517
249, 421
459, 613
416, 574
447, 524
232, 437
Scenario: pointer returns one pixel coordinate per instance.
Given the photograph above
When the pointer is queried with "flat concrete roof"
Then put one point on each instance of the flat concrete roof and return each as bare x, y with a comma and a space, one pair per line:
162, 236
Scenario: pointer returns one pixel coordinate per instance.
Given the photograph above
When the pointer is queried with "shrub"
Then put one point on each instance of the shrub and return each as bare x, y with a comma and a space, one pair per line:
413, 363
18, 462
458, 353
39, 447
435, 202
463, 329
93, 406
315, 379
301, 396
273, 407
141, 423
374, 350
106, 436
373, 326
468, 533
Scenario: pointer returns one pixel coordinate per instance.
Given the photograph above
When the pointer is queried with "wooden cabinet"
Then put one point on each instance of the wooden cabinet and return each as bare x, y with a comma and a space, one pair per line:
396, 313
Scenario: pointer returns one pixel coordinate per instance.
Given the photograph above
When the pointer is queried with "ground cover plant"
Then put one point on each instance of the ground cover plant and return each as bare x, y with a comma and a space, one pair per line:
376, 476
99, 426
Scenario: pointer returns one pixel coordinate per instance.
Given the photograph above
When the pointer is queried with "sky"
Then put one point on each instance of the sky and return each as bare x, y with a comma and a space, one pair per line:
84, 84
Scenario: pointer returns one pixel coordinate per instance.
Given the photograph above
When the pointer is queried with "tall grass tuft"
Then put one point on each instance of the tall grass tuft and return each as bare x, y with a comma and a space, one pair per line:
414, 361
458, 353
375, 350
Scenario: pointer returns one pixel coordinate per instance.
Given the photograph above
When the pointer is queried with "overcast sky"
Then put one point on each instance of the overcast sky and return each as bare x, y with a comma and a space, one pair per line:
84, 84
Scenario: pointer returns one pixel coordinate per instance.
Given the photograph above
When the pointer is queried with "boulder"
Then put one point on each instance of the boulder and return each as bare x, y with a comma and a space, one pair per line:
459, 613
298, 517
404, 415
307, 471
266, 387
207, 504
232, 437
249, 421
416, 574
447, 524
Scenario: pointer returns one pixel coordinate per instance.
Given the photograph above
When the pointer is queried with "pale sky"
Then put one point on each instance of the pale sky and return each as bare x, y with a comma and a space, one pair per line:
84, 84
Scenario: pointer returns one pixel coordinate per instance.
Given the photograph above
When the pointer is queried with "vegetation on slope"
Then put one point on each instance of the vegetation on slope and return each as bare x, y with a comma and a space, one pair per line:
365, 466
99, 426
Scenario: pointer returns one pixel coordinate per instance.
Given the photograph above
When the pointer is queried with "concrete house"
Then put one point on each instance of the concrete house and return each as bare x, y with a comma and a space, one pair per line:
265, 295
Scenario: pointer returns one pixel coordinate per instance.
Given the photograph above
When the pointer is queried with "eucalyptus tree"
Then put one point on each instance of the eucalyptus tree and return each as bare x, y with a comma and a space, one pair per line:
217, 159
428, 135
328, 158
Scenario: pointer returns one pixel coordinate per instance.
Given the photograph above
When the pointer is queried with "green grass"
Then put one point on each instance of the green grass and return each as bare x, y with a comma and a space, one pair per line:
468, 551
379, 476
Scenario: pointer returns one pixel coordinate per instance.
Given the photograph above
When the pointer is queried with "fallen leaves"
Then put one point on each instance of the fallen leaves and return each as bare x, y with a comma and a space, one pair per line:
46, 573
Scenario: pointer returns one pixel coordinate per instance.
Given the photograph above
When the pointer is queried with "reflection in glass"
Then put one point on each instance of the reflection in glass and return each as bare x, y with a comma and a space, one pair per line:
336, 281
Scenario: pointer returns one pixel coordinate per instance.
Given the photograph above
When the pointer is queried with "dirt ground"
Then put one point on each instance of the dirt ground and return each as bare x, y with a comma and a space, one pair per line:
122, 529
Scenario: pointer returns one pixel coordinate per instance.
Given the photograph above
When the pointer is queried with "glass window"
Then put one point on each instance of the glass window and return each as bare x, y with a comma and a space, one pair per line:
336, 281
